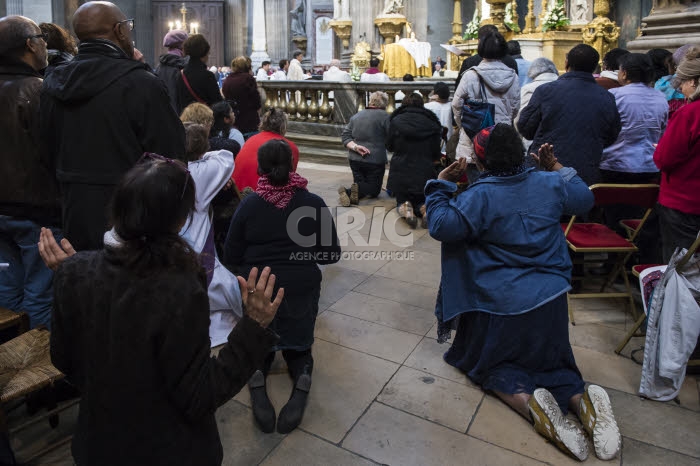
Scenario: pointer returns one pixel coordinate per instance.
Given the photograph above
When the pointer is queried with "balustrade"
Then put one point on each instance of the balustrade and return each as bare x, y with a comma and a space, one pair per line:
310, 101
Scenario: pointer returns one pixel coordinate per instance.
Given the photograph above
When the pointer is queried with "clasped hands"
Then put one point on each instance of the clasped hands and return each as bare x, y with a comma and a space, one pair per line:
256, 293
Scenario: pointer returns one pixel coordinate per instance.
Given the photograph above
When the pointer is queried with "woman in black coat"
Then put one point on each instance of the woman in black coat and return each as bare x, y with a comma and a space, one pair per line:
198, 84
240, 87
414, 138
130, 330
284, 225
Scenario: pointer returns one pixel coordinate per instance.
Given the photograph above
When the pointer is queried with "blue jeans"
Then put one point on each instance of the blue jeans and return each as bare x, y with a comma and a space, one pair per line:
27, 285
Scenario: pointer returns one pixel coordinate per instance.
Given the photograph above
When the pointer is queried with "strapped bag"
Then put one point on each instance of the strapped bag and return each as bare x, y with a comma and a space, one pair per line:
477, 114
189, 88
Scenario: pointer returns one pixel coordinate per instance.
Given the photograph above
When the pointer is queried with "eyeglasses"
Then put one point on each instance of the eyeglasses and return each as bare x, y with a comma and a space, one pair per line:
129, 22
177, 163
45, 37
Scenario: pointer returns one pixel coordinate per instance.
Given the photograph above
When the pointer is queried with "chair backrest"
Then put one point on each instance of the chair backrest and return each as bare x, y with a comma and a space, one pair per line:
691, 250
640, 195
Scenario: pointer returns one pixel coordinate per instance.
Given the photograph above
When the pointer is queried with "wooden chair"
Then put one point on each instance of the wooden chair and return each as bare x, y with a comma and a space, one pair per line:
638, 271
10, 319
587, 238
25, 368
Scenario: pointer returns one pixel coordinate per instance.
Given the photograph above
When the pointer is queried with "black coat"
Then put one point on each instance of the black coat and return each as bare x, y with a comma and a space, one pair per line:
577, 116
99, 114
414, 138
168, 70
138, 350
28, 187
243, 89
203, 83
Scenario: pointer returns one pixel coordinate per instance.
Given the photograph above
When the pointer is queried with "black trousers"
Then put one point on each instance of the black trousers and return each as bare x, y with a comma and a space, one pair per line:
298, 362
368, 176
647, 240
678, 229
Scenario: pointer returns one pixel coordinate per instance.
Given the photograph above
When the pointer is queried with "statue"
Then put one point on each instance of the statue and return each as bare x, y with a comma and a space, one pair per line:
580, 13
298, 24
341, 9
392, 7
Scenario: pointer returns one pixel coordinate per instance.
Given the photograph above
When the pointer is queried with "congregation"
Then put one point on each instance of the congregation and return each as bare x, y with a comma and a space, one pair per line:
145, 219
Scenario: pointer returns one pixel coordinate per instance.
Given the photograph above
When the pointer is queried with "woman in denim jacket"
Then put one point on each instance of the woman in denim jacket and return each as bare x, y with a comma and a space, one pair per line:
505, 274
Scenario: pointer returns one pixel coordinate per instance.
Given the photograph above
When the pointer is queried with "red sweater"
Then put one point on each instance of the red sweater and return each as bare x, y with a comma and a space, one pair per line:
678, 158
245, 172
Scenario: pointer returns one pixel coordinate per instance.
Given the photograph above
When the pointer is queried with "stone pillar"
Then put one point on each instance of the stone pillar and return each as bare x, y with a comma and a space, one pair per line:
363, 13
14, 7
672, 23
259, 36
276, 12
236, 30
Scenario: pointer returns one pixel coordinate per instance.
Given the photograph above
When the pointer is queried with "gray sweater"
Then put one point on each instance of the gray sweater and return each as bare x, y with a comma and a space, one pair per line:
368, 128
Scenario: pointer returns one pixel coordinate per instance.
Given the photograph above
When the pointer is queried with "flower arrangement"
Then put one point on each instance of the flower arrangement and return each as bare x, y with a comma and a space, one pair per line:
556, 17
472, 29
508, 19
355, 73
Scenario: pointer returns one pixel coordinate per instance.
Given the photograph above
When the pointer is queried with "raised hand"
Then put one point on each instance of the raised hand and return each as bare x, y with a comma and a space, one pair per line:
53, 254
256, 296
545, 158
454, 171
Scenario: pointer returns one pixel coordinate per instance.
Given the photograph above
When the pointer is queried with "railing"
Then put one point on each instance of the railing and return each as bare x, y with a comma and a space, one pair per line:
334, 103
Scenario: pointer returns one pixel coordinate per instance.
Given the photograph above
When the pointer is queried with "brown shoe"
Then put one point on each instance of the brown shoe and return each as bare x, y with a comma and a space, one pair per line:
343, 196
354, 194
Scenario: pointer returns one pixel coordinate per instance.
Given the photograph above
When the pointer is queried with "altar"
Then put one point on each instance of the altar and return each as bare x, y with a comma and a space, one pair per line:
407, 56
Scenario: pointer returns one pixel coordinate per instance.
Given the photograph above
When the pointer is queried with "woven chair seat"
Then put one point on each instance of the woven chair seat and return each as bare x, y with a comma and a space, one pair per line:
9, 318
25, 365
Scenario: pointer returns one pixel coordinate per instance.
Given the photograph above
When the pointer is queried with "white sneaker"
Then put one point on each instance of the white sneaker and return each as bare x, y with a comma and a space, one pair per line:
598, 420
552, 425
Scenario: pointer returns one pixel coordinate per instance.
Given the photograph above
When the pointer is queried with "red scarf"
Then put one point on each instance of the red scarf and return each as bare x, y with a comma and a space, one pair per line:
280, 196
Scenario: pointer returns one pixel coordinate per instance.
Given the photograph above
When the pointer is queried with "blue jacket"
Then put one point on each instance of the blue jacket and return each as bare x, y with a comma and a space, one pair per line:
577, 116
503, 249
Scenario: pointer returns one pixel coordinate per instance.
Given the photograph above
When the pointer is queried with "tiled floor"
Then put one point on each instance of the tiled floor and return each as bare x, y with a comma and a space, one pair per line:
381, 393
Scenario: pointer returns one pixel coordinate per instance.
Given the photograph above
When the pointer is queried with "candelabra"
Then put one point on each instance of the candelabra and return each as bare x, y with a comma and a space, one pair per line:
194, 26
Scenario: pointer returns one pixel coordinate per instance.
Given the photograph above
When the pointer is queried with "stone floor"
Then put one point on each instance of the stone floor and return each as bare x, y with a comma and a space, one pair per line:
381, 393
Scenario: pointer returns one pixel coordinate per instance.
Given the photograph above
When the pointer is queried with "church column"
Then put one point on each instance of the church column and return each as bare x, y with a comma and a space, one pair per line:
14, 7
277, 29
236, 30
259, 36
363, 13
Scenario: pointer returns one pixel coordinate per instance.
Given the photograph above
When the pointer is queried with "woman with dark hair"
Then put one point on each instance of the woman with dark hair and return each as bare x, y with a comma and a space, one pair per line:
659, 60
643, 113
224, 123
284, 225
198, 84
501, 87
666, 84
678, 158
130, 329
60, 45
272, 126
414, 136
513, 339
240, 86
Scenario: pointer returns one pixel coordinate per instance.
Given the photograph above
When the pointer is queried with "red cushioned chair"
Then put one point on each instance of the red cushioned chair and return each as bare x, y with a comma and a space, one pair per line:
630, 225
596, 238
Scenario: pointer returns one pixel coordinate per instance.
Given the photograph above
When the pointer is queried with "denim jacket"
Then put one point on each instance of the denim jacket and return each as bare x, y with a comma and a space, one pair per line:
503, 249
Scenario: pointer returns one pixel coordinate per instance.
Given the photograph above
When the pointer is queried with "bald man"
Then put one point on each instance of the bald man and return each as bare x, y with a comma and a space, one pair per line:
28, 190
100, 113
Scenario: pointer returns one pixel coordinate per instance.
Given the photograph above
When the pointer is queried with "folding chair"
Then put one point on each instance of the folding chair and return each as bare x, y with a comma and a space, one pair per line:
588, 238
640, 271
10, 319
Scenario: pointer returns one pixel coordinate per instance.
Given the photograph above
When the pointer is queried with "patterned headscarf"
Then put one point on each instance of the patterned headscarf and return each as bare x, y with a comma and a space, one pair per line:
481, 142
280, 196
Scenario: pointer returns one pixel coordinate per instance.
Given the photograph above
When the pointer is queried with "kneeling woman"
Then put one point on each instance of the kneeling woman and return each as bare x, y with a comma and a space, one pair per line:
284, 226
506, 272
131, 330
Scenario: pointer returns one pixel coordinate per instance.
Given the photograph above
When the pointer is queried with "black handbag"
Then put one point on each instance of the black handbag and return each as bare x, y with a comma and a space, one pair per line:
477, 114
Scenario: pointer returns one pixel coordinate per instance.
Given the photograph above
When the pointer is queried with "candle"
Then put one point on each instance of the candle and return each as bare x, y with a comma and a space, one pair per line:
170, 25
397, 38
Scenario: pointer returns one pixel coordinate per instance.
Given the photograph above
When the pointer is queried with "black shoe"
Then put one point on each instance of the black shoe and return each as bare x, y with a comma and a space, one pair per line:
293, 411
263, 411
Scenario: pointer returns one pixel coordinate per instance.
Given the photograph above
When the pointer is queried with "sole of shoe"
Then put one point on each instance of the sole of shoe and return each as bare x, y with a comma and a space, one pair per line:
552, 425
343, 196
598, 420
354, 194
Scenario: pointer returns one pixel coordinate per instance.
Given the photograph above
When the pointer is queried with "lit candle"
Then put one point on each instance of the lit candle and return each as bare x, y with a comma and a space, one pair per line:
397, 38
178, 24
170, 25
